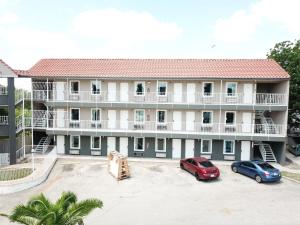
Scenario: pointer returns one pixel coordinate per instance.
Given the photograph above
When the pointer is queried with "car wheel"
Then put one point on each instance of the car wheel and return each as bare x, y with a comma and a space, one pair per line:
234, 169
258, 179
181, 166
197, 176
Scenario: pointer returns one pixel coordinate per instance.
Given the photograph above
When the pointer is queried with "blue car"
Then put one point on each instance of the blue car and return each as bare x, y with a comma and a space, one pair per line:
259, 170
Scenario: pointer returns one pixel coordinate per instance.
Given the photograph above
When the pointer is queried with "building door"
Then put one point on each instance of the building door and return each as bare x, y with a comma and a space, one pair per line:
112, 117
60, 91
176, 120
190, 92
245, 150
176, 147
124, 146
60, 144
124, 119
177, 92
190, 121
124, 92
189, 148
112, 91
247, 122
60, 118
248, 94
111, 144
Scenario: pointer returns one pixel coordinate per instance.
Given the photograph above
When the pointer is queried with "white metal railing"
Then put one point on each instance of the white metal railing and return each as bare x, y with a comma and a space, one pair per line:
176, 127
271, 99
19, 123
3, 120
3, 90
154, 97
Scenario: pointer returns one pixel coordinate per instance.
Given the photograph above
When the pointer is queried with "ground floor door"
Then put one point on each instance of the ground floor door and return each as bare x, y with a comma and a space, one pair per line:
111, 144
245, 150
189, 148
60, 144
124, 146
176, 147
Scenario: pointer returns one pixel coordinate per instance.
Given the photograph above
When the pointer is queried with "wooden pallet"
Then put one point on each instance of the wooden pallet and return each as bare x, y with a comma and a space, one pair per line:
118, 165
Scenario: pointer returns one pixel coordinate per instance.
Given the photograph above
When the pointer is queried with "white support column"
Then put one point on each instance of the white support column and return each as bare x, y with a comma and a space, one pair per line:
220, 103
31, 101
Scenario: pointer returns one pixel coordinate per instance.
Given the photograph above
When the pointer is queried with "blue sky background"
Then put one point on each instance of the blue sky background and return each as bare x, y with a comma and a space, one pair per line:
32, 29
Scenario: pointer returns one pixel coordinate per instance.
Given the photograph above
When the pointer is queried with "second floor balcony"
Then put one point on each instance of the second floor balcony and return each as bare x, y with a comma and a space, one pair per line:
157, 98
156, 127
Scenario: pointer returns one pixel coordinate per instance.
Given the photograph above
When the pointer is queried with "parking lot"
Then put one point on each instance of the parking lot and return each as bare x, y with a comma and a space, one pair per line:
161, 193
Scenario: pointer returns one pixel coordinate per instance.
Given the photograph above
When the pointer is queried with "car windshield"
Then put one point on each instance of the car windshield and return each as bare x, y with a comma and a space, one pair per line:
206, 164
265, 166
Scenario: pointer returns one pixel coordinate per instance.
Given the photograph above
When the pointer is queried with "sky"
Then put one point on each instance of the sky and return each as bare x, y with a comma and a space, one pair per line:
35, 29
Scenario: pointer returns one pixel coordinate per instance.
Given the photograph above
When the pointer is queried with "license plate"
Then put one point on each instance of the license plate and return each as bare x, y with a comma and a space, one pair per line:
275, 174
212, 175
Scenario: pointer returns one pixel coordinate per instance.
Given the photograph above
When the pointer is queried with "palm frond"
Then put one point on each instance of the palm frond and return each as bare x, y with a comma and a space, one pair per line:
66, 199
22, 210
83, 208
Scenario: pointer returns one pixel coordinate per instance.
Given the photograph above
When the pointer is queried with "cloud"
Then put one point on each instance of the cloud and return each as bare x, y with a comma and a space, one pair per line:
242, 24
124, 26
8, 18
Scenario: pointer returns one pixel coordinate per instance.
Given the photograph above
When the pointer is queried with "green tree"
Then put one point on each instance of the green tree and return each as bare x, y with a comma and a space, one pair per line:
65, 211
287, 54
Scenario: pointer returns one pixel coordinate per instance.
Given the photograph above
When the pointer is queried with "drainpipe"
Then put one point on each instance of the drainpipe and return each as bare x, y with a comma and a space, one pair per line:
31, 103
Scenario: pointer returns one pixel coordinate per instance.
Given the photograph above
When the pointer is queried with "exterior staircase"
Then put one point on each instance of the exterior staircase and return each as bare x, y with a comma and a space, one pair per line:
40, 119
43, 145
267, 123
267, 152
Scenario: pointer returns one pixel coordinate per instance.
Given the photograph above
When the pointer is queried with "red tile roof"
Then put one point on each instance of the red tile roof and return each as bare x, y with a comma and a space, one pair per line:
158, 68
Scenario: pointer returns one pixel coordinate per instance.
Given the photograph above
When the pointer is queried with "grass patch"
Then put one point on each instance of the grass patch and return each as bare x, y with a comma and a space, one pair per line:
14, 174
295, 176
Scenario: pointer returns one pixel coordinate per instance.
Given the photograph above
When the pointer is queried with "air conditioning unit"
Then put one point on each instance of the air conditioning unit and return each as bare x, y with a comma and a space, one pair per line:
74, 152
160, 155
138, 126
95, 125
138, 154
95, 152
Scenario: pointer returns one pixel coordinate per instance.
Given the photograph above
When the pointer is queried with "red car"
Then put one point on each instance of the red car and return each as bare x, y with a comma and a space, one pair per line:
201, 167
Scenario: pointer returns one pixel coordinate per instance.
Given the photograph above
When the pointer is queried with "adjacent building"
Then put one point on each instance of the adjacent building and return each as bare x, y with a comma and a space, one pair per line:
227, 109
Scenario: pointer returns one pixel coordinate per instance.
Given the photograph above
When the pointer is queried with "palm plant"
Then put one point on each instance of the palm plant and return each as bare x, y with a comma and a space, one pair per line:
65, 211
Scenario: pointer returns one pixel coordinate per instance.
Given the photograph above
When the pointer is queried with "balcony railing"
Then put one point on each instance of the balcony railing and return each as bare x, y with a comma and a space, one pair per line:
3, 120
173, 127
154, 97
3, 90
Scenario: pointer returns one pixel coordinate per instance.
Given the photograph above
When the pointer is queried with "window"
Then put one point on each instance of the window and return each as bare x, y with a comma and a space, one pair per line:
230, 118
75, 114
139, 88
139, 116
161, 116
228, 147
162, 88
74, 87
75, 142
249, 165
206, 146
95, 115
95, 142
231, 88
207, 117
139, 144
95, 87
207, 89
161, 144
